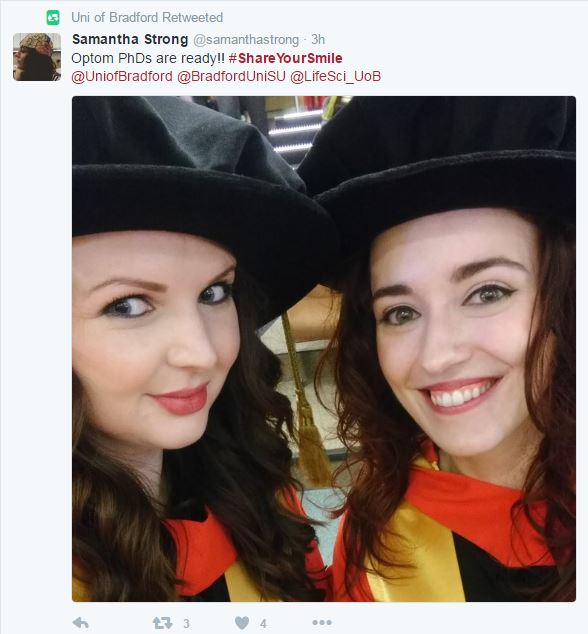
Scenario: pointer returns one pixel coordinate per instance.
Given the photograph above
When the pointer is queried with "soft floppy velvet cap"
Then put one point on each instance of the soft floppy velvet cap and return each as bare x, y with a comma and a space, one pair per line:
382, 161
160, 163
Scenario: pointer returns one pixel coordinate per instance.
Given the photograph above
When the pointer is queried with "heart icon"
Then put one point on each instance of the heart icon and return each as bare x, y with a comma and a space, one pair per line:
242, 622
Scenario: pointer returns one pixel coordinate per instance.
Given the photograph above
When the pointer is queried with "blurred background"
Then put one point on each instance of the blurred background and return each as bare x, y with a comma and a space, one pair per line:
291, 123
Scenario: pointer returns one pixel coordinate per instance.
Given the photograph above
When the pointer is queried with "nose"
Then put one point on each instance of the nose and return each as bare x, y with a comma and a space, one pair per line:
191, 344
444, 345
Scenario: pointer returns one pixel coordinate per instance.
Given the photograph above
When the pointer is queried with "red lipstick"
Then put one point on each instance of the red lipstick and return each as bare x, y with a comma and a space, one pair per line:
183, 402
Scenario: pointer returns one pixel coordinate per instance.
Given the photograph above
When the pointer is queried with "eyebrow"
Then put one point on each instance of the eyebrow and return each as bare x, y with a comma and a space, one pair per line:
459, 275
468, 270
156, 287
392, 291
131, 281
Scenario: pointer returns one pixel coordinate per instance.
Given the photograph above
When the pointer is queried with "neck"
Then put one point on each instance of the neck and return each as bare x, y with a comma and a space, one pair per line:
148, 466
145, 463
506, 465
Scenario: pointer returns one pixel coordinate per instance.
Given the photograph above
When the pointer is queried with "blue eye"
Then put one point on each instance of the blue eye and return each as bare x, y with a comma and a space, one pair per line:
488, 294
128, 307
400, 315
216, 293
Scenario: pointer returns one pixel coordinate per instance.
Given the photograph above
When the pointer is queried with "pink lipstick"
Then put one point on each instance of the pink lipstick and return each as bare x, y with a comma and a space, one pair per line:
183, 402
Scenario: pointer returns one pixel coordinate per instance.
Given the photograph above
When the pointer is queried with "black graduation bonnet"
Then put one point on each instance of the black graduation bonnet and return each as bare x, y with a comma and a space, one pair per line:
160, 163
382, 161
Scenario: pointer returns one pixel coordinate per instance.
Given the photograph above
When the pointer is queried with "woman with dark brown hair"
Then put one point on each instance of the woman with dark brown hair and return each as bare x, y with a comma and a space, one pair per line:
189, 234
34, 59
455, 349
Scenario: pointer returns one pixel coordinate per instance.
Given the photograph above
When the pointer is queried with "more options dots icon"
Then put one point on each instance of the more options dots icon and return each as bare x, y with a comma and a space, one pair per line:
322, 622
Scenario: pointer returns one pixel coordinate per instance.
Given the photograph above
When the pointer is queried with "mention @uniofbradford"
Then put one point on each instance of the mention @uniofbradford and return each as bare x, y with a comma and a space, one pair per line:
139, 17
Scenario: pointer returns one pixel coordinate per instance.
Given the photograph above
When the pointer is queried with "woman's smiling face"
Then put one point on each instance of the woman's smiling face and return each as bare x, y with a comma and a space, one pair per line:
453, 296
155, 333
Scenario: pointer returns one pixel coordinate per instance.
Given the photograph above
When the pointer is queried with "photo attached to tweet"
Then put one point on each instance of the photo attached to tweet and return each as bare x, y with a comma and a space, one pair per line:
323, 348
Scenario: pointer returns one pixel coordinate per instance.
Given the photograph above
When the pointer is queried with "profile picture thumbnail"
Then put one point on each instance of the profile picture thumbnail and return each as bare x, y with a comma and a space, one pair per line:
36, 56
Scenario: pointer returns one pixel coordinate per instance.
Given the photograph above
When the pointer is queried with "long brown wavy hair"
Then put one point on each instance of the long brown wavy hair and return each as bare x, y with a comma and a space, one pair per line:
239, 469
37, 67
382, 438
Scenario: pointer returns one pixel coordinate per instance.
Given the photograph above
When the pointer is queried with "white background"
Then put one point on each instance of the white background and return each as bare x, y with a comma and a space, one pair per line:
428, 48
